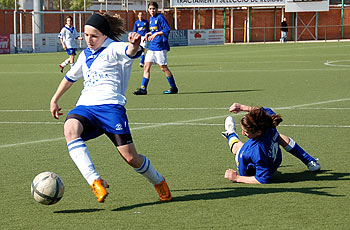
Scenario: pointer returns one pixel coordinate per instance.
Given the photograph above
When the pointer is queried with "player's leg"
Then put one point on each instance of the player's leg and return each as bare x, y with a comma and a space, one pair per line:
71, 56
162, 61
143, 166
74, 127
143, 45
146, 75
292, 147
171, 80
67, 61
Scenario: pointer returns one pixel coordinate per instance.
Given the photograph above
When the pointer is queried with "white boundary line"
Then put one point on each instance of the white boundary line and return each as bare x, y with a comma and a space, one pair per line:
174, 109
179, 122
331, 63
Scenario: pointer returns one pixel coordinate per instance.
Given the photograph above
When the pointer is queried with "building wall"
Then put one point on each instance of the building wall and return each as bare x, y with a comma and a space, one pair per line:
264, 23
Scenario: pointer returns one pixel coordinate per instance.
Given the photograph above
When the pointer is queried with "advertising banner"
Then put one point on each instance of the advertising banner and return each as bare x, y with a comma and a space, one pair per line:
178, 38
5, 44
206, 37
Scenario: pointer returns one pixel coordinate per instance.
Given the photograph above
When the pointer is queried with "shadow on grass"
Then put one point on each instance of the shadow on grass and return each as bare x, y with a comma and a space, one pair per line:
79, 211
223, 91
208, 92
231, 192
322, 175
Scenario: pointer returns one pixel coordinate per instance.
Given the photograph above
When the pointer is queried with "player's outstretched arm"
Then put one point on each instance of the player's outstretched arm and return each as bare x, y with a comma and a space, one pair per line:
236, 108
62, 88
134, 40
232, 175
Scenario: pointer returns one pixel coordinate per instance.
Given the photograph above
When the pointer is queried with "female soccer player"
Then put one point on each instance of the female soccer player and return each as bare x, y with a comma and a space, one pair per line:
157, 50
105, 67
260, 156
67, 37
141, 26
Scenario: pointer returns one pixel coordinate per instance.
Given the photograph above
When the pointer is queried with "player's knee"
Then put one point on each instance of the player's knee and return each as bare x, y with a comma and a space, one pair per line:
70, 131
164, 68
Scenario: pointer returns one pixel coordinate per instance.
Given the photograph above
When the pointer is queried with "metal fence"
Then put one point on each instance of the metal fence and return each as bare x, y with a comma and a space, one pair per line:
299, 33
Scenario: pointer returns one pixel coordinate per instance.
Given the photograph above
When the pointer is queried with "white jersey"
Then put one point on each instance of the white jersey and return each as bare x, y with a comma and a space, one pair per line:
69, 34
106, 73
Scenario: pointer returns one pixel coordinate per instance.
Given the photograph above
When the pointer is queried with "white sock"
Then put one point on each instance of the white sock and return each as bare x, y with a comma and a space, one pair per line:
149, 172
81, 157
63, 64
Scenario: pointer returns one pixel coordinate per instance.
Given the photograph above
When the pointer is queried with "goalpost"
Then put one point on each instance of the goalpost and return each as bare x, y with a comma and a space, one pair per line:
36, 24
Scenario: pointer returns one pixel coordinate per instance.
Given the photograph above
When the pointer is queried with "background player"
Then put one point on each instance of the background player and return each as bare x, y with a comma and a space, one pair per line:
141, 26
105, 67
67, 37
157, 50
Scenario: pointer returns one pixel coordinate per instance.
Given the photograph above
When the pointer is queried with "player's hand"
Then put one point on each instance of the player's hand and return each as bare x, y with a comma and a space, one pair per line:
65, 47
231, 175
152, 37
55, 110
235, 108
134, 38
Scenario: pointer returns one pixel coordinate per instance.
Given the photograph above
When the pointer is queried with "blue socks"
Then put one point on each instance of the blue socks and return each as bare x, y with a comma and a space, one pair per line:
171, 81
144, 83
298, 152
142, 61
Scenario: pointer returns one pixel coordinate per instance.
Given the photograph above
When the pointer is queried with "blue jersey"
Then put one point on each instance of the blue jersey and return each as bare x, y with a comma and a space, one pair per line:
141, 27
262, 156
156, 24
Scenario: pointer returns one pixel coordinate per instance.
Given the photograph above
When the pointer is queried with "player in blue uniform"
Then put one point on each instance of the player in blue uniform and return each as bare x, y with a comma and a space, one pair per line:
260, 156
67, 37
105, 67
157, 50
141, 26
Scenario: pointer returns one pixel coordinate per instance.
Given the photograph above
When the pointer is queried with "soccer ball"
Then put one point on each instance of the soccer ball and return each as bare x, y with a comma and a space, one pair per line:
47, 188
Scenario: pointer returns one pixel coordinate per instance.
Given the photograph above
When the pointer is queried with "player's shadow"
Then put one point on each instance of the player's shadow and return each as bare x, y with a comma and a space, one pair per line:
322, 175
222, 91
79, 211
230, 192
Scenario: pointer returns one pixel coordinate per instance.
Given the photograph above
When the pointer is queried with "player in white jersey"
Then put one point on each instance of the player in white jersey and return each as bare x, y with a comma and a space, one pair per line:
105, 67
67, 37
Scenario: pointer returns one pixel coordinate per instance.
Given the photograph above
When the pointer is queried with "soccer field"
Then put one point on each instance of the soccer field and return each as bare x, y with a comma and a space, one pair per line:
308, 84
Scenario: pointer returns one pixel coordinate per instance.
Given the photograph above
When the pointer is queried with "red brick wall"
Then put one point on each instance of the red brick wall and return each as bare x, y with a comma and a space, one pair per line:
262, 22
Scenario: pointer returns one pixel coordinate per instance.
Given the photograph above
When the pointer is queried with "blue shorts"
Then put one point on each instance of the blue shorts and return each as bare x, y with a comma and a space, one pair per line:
71, 51
102, 119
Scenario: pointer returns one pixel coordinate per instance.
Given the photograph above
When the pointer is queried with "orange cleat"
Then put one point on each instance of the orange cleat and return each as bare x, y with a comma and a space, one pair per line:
163, 191
99, 188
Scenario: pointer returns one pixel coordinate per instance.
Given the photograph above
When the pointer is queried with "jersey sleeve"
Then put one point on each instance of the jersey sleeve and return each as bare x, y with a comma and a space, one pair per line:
262, 173
134, 29
120, 48
76, 34
61, 34
269, 111
76, 71
164, 25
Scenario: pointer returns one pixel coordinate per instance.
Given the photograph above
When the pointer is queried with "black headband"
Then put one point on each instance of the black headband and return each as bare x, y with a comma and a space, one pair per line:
99, 22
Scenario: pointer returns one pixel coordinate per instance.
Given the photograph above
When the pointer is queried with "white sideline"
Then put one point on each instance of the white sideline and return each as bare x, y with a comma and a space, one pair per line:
183, 122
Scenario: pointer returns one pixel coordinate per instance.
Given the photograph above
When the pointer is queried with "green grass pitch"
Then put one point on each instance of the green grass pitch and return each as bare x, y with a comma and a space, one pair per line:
308, 84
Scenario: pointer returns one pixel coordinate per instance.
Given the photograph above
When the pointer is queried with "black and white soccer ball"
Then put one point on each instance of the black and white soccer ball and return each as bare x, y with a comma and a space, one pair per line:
47, 188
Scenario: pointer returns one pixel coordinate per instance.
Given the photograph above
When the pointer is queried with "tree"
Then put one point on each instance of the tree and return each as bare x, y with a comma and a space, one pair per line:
65, 4
79, 4
7, 4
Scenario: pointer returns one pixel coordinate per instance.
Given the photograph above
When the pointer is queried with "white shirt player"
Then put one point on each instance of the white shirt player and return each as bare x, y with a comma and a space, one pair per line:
69, 34
106, 73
